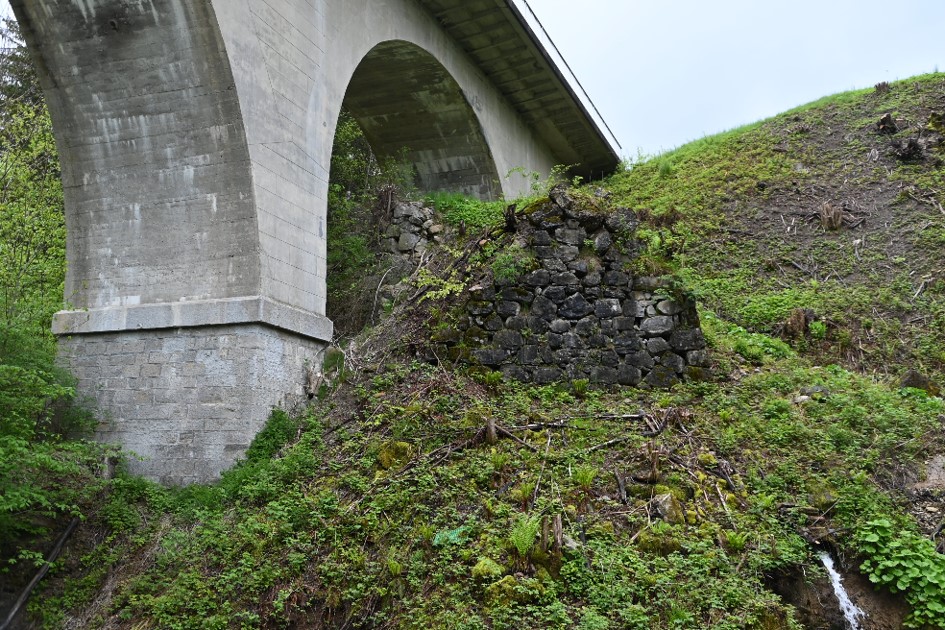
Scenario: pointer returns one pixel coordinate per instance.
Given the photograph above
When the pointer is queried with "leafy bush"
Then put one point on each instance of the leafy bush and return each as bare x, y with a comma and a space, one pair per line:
474, 213
512, 263
906, 563
43, 475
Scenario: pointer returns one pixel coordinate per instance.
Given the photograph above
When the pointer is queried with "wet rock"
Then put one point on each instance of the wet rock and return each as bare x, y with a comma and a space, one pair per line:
587, 326
657, 346
592, 279
626, 343
546, 375
480, 292
673, 361
557, 294
539, 278
609, 358
579, 267
568, 253
509, 339
621, 220
661, 377
489, 356
602, 242
684, 340
516, 323
479, 307
544, 308
529, 355
604, 375
508, 309
575, 307
566, 279
608, 308
625, 323
616, 279
536, 325
659, 325
640, 360
493, 323
516, 373
634, 308
517, 294
571, 236
629, 375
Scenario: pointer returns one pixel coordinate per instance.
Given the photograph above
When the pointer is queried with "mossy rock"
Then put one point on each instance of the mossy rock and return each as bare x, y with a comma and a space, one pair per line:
669, 508
659, 543
394, 454
487, 569
512, 590
822, 496
535, 205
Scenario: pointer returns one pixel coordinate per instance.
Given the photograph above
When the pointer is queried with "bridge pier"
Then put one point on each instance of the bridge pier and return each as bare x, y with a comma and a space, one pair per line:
195, 141
187, 386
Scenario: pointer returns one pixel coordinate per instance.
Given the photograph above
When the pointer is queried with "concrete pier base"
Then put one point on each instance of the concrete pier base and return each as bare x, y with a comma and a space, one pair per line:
188, 399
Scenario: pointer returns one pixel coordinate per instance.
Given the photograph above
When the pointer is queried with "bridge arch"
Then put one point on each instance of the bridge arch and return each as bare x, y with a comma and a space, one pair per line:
196, 140
409, 106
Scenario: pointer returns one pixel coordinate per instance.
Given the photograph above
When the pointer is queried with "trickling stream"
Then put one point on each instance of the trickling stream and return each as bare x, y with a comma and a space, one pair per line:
851, 612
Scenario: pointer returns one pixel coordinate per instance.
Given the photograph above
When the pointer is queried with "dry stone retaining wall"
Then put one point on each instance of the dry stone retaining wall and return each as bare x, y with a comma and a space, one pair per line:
579, 313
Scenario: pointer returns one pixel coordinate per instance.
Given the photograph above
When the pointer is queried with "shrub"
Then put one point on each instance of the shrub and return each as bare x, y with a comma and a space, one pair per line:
906, 563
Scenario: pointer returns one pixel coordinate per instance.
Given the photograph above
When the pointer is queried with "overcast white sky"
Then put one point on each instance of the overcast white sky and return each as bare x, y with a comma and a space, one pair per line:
663, 72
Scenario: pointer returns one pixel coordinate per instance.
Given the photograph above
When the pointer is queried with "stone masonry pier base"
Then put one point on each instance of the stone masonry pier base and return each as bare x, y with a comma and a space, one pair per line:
188, 399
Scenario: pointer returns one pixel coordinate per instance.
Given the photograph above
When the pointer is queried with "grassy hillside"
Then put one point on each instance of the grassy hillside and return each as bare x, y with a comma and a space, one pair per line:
817, 208
385, 504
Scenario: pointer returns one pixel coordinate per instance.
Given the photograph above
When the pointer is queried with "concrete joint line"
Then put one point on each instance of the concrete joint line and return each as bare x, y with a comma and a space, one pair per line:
220, 312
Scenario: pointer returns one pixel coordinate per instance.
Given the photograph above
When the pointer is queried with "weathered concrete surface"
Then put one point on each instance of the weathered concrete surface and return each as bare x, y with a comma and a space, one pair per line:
195, 138
189, 401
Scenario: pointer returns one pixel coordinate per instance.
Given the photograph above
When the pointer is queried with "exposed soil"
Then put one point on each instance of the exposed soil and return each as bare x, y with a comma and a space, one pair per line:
855, 213
927, 500
818, 608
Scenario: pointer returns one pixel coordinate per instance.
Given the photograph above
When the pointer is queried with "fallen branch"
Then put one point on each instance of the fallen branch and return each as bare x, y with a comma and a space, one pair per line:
377, 292
611, 442
503, 431
621, 487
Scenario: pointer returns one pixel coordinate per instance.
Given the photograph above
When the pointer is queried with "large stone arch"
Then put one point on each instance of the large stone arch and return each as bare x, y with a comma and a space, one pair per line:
411, 108
196, 140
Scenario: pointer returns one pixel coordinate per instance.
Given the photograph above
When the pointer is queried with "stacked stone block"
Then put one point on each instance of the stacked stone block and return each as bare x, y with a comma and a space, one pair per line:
412, 228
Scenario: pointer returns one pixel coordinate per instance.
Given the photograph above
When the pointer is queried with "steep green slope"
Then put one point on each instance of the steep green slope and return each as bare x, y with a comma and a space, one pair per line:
388, 503
818, 208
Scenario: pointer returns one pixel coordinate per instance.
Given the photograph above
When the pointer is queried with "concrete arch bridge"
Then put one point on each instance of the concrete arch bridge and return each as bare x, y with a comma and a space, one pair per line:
195, 138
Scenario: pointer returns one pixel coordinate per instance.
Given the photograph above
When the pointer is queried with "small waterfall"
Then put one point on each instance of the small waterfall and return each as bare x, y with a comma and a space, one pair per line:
851, 612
